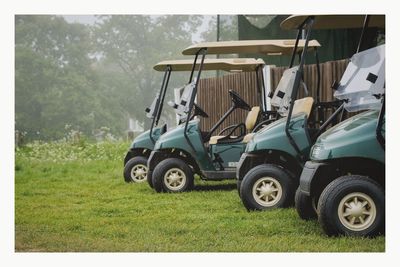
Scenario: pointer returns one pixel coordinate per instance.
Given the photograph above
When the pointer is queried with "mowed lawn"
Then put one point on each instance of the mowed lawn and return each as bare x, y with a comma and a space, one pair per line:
79, 202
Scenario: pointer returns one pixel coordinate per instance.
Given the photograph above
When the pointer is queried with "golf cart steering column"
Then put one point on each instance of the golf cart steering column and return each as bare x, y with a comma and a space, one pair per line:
237, 102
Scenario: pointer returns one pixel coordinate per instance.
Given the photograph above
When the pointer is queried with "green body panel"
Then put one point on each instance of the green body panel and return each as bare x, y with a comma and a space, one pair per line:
143, 140
230, 153
354, 137
175, 139
273, 137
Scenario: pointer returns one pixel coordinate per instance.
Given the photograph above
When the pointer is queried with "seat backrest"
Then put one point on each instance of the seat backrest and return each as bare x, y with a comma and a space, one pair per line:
303, 105
251, 119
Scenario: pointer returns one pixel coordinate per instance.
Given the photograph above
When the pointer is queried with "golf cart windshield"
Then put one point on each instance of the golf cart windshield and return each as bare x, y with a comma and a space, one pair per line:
283, 92
363, 82
151, 111
182, 107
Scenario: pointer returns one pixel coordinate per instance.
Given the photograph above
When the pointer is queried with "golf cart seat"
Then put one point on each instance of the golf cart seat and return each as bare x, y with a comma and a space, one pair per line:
251, 121
303, 105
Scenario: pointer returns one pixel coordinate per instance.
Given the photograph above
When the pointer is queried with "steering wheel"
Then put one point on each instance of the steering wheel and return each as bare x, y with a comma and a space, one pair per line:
199, 111
238, 101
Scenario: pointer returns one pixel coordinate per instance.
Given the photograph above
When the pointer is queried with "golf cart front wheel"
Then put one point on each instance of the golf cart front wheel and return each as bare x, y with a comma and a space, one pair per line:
266, 187
172, 175
135, 170
352, 205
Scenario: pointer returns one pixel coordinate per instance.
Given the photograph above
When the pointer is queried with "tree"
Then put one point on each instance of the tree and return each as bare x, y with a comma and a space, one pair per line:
54, 83
92, 76
129, 46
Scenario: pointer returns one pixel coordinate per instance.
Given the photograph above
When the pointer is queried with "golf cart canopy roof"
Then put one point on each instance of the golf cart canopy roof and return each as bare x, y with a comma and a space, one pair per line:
334, 21
227, 64
268, 47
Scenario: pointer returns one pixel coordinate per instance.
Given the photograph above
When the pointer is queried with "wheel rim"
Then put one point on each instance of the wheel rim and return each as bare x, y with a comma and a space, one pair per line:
357, 211
139, 173
174, 179
267, 191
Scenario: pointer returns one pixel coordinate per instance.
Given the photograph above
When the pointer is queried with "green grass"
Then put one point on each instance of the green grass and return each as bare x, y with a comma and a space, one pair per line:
81, 203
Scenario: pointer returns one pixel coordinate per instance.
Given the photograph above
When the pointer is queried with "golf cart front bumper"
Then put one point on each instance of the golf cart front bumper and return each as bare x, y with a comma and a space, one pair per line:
311, 171
154, 158
244, 164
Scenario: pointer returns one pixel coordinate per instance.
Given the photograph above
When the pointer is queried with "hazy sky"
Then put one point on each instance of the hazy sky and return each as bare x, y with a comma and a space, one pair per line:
84, 19
91, 19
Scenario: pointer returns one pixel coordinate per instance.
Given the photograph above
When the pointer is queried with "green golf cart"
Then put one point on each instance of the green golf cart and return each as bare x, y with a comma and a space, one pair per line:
343, 183
187, 150
269, 170
135, 169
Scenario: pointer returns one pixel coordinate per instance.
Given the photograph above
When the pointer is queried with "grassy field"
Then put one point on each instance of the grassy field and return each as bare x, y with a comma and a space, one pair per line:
73, 198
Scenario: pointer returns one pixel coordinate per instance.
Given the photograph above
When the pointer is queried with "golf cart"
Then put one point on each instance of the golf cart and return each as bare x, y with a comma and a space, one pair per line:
268, 172
186, 150
135, 169
343, 183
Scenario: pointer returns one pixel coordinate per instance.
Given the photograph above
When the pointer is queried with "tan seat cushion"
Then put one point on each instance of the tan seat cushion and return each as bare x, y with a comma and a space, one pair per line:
251, 119
214, 139
247, 137
303, 105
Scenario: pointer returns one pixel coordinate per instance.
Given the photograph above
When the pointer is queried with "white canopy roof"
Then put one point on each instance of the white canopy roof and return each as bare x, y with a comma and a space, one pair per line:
268, 47
227, 64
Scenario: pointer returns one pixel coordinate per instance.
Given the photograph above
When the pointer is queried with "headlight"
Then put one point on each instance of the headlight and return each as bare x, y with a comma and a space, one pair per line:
316, 149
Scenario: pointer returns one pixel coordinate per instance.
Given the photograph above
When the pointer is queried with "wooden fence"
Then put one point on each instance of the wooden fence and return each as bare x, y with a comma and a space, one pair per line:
214, 98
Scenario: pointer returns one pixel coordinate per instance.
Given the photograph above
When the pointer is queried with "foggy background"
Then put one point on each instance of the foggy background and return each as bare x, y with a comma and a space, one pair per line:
94, 74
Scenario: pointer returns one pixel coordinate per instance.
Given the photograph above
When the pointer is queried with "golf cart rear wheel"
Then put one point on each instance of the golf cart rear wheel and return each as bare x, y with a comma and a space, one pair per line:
172, 175
352, 205
135, 170
305, 206
266, 187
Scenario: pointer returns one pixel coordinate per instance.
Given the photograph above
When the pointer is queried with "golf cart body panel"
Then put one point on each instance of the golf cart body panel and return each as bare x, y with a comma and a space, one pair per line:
175, 140
229, 153
354, 137
350, 142
272, 137
143, 140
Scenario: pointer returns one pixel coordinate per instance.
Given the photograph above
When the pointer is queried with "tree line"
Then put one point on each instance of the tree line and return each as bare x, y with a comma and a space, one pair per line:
93, 77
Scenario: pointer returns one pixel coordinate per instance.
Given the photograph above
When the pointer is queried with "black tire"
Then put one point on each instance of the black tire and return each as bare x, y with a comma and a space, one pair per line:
339, 190
149, 178
176, 166
135, 161
281, 178
304, 206
238, 184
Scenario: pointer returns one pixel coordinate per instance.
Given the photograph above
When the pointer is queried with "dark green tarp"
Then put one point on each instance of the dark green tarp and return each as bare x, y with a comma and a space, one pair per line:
335, 44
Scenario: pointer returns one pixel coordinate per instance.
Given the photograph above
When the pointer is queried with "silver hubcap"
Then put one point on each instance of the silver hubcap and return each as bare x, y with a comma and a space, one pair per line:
174, 179
139, 173
267, 191
357, 211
